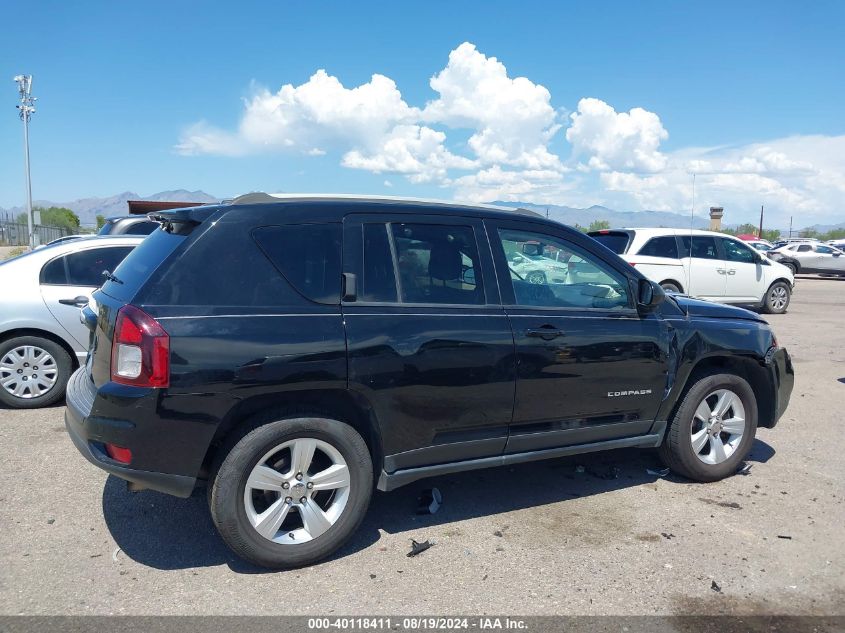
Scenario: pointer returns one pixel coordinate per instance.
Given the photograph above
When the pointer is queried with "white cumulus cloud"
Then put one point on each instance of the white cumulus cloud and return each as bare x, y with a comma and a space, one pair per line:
611, 140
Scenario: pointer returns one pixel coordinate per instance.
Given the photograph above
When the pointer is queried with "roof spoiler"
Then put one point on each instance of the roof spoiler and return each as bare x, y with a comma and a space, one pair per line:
178, 220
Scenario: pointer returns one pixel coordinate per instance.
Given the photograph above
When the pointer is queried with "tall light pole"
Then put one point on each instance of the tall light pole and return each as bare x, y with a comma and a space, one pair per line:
26, 108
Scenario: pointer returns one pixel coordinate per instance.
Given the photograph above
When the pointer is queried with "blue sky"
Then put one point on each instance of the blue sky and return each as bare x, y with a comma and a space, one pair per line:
621, 101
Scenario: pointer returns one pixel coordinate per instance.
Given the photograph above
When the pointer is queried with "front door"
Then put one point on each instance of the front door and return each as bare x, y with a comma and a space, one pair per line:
589, 367
429, 345
744, 272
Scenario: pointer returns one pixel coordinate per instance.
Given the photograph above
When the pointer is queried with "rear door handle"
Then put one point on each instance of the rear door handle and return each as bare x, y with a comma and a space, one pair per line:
79, 302
545, 333
721, 271
732, 271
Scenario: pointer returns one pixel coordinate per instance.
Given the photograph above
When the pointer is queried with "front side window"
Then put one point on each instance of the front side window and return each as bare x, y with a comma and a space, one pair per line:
665, 246
825, 250
736, 252
702, 247
548, 271
83, 268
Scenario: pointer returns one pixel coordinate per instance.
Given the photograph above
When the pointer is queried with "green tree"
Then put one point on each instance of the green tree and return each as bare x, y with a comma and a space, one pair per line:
101, 221
56, 216
599, 225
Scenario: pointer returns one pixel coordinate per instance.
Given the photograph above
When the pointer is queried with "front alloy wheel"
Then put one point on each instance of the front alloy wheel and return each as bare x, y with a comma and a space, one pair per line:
718, 426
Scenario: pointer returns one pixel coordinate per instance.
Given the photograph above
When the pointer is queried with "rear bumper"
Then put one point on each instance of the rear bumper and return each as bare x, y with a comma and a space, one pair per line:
782, 374
89, 433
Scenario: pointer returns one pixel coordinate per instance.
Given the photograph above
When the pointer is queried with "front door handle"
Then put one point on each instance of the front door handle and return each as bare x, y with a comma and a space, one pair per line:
547, 332
79, 302
721, 271
732, 271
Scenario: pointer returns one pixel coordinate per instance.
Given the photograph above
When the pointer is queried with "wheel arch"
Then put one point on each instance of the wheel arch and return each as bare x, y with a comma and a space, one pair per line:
338, 404
58, 340
750, 368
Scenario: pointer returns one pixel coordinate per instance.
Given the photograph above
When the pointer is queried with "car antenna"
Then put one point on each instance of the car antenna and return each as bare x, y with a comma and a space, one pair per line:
691, 219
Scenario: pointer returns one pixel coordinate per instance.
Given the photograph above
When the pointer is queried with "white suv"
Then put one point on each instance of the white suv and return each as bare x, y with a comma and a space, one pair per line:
703, 264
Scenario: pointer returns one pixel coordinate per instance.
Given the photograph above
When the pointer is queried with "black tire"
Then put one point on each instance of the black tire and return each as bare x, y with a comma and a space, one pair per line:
63, 365
793, 267
670, 286
777, 298
226, 494
677, 452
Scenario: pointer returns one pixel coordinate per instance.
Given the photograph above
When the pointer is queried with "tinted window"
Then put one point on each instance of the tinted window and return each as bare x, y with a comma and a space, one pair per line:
551, 272
736, 252
617, 241
54, 272
141, 228
804, 248
378, 281
703, 247
308, 255
84, 268
666, 246
437, 264
824, 249
140, 263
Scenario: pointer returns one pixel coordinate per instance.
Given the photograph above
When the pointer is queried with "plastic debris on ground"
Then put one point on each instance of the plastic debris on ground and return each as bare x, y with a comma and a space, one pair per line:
657, 473
419, 548
745, 469
715, 587
430, 501
784, 536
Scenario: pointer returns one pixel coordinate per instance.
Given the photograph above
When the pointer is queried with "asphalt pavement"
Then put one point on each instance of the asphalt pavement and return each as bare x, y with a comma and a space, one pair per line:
595, 534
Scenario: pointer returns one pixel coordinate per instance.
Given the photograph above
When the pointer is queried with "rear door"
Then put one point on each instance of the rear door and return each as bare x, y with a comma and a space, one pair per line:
67, 282
429, 344
706, 271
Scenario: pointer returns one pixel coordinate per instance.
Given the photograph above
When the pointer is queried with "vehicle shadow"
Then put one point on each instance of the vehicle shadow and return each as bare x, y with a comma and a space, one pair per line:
168, 533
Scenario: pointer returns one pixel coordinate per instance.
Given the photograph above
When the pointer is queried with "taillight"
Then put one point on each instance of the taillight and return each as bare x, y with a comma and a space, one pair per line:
633, 263
140, 350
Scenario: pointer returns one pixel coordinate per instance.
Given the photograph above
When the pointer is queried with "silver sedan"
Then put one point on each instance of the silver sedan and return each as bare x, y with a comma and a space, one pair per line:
41, 337
810, 257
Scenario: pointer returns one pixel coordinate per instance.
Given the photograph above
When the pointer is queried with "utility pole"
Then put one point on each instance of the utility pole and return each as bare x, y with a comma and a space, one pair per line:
790, 226
760, 230
26, 108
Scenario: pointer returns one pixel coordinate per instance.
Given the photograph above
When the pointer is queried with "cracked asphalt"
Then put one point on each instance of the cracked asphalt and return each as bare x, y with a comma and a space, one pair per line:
595, 534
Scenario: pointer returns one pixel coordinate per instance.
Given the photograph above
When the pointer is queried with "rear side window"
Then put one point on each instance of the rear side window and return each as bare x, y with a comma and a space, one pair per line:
83, 268
665, 246
804, 248
703, 247
308, 255
617, 241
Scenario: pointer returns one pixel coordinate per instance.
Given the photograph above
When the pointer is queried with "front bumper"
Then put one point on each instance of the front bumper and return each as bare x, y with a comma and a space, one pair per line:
89, 433
782, 374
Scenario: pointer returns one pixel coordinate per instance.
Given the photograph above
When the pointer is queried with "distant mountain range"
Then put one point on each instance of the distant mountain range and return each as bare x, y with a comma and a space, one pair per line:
89, 208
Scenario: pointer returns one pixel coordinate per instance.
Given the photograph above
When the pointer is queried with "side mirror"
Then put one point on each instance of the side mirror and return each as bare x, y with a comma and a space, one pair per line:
649, 294
837, 254
517, 259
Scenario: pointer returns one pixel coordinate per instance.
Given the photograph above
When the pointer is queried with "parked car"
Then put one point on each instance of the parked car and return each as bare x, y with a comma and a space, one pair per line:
342, 341
128, 225
41, 338
840, 244
703, 264
806, 257
761, 245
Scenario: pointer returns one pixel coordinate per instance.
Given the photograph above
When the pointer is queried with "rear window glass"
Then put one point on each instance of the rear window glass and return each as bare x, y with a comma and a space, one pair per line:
665, 246
140, 263
308, 255
141, 228
617, 241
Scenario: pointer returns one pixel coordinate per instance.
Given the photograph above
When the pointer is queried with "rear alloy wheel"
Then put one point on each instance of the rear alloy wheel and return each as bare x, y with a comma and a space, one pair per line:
777, 298
713, 428
291, 492
33, 372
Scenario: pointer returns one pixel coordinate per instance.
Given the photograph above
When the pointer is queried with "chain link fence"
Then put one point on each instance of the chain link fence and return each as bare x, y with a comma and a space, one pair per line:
16, 233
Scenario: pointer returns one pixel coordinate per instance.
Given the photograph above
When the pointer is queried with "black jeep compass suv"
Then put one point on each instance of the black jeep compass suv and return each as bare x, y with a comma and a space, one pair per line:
293, 351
